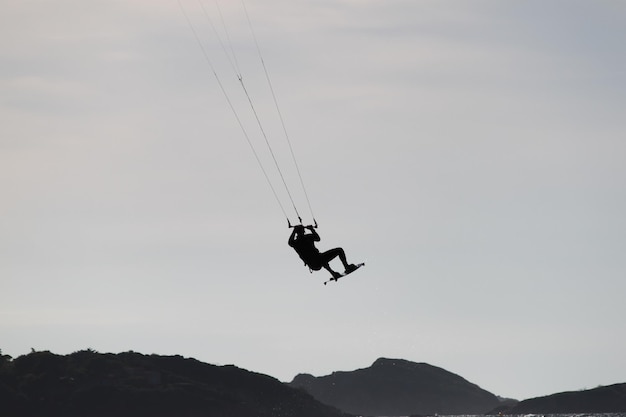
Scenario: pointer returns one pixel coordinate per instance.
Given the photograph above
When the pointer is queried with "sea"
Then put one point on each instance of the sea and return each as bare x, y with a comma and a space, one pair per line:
532, 415
539, 415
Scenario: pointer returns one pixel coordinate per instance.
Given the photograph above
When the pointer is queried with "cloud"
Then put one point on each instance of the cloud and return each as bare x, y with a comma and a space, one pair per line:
468, 153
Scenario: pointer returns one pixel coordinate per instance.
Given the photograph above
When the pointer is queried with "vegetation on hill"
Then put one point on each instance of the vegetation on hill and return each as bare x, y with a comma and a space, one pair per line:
608, 399
395, 387
91, 384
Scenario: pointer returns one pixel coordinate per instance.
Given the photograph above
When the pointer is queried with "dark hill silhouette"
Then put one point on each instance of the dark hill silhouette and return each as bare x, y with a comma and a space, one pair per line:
609, 399
395, 387
90, 384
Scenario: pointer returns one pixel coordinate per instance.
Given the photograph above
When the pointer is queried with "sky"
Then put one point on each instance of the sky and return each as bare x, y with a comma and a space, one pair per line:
471, 153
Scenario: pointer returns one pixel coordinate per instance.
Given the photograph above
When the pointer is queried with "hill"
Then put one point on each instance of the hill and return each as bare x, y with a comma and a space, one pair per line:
394, 387
608, 399
90, 384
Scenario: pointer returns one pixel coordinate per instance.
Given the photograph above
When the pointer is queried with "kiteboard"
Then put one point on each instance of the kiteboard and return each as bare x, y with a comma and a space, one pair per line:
344, 274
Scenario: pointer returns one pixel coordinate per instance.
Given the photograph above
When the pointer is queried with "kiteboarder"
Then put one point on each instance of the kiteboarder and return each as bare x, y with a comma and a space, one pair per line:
304, 244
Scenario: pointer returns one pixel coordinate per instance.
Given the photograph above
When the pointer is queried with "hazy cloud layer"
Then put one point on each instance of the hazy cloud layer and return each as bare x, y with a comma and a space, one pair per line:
471, 153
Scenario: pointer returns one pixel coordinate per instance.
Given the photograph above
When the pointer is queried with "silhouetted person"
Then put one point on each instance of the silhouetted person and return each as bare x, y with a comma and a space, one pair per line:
304, 245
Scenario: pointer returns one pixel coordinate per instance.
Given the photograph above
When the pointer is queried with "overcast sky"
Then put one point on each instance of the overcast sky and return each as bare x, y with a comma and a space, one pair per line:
471, 153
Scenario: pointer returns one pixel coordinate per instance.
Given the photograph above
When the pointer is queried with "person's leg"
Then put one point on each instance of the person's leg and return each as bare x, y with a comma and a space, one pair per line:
333, 273
332, 254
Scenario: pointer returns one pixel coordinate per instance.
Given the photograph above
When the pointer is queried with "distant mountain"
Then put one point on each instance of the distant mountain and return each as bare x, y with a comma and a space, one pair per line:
395, 387
609, 399
90, 384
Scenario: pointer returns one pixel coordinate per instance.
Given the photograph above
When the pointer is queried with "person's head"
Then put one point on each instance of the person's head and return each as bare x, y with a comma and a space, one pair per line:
299, 229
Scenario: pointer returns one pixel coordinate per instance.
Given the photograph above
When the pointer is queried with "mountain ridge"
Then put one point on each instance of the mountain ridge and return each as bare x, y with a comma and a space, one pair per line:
604, 399
398, 387
129, 384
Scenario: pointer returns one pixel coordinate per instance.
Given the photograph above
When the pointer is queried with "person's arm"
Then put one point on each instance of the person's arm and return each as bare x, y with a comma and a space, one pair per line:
292, 238
316, 237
